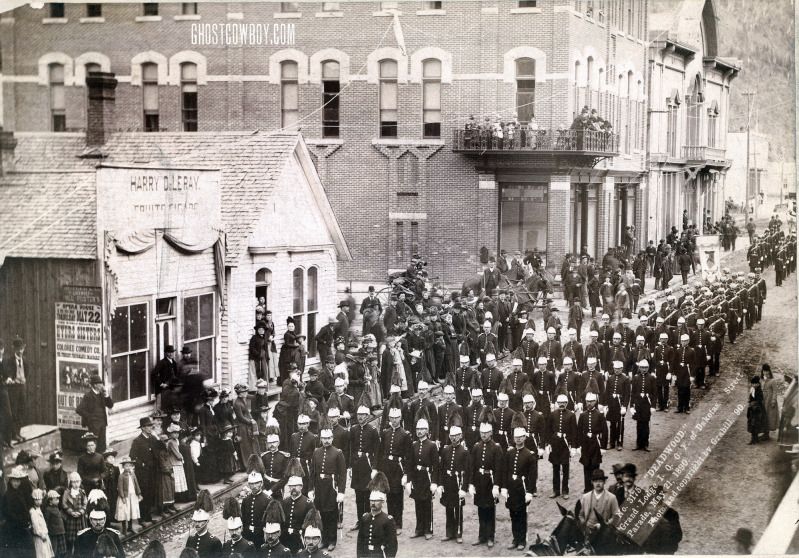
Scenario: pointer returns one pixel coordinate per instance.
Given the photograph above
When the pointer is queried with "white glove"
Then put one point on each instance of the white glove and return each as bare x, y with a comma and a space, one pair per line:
439, 491
495, 492
602, 451
408, 488
739, 320
623, 411
374, 473
472, 490
461, 494
404, 480
651, 409
268, 493
712, 338
339, 497
745, 312
311, 494
528, 498
632, 412
668, 377
553, 407
346, 415
504, 493
540, 452
572, 452
692, 379
433, 488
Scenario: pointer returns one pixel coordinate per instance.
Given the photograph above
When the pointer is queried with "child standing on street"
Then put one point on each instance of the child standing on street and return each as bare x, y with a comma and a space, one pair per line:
41, 538
128, 496
227, 455
55, 524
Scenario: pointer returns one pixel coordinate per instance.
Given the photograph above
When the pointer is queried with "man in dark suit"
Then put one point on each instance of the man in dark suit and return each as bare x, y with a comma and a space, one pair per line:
91, 410
373, 302
14, 371
164, 371
142, 452
325, 338
343, 327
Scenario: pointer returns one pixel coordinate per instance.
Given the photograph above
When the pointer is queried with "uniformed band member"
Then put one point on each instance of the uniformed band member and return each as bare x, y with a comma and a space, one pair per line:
302, 446
295, 508
455, 478
486, 462
377, 535
423, 476
683, 367
562, 445
273, 526
206, 545
328, 484
364, 442
393, 453
519, 468
252, 510
503, 415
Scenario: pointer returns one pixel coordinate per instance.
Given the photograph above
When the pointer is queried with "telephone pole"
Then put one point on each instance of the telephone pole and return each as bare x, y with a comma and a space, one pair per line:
749, 97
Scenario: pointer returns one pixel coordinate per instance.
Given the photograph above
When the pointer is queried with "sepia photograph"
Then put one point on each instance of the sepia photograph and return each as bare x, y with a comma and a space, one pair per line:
398, 279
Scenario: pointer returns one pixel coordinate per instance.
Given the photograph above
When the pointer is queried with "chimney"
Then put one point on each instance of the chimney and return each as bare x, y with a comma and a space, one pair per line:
102, 93
7, 144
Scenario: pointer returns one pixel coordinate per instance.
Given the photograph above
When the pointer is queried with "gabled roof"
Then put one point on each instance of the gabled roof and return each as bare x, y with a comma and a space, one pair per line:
48, 215
251, 164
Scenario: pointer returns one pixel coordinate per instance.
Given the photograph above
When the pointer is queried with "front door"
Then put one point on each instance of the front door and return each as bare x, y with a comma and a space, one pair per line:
523, 217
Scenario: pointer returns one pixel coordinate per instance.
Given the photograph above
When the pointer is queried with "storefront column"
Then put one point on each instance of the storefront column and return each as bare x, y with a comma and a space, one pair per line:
488, 210
605, 211
641, 220
558, 220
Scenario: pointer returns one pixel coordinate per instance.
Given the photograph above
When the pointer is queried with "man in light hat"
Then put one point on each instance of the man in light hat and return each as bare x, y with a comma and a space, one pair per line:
643, 404
593, 349
486, 342
303, 443
605, 340
423, 477
491, 379
597, 503
237, 543
616, 400
463, 379
568, 383
445, 412
424, 401
527, 351
702, 346
328, 476
542, 382
273, 527
520, 471
592, 437
393, 454
472, 414
252, 510
377, 536
562, 445
295, 508
513, 384
87, 538
574, 350
341, 435
364, 442
617, 351
455, 479
683, 366
486, 458
92, 410
591, 380
275, 465
503, 415
345, 402
551, 350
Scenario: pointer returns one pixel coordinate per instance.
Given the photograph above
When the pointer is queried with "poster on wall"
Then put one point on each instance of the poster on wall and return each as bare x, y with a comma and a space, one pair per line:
79, 355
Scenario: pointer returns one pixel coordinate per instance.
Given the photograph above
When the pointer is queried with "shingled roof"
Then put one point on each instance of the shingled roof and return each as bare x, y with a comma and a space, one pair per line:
48, 215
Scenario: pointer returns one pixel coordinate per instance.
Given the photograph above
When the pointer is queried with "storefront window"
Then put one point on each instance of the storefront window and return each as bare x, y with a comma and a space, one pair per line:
199, 331
583, 222
523, 217
130, 349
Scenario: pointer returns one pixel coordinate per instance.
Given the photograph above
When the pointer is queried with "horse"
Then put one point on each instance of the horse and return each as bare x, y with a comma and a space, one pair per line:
607, 540
567, 538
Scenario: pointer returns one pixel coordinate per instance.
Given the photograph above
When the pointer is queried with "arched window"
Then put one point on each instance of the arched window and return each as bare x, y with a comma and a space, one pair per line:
712, 124
312, 307
388, 98
289, 94
58, 118
331, 86
694, 101
149, 83
577, 103
589, 71
431, 98
263, 285
188, 96
525, 89
305, 305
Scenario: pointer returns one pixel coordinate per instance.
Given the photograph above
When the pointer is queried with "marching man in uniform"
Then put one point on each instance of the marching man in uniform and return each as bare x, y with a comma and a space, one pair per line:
643, 404
236, 543
519, 469
562, 444
486, 462
252, 510
377, 534
502, 417
454, 480
616, 401
592, 437
275, 464
395, 445
364, 441
295, 508
328, 483
273, 525
423, 476
206, 545
312, 537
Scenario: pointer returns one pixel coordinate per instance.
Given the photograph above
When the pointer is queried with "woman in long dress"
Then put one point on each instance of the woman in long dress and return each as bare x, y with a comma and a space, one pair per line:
291, 350
756, 413
771, 389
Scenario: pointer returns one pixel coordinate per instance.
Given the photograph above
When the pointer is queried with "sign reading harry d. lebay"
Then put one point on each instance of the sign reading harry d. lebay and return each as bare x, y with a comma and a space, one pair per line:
130, 198
79, 348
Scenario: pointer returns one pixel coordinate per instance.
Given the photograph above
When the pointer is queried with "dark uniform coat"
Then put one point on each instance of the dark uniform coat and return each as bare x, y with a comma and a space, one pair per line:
393, 454
328, 477
242, 546
294, 511
87, 540
519, 476
302, 445
502, 429
277, 551
562, 435
512, 385
486, 460
592, 435
252, 517
377, 536
455, 473
616, 396
364, 441
445, 412
275, 464
424, 469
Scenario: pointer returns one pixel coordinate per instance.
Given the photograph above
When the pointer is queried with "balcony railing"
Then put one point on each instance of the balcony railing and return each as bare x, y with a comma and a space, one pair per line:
703, 153
589, 142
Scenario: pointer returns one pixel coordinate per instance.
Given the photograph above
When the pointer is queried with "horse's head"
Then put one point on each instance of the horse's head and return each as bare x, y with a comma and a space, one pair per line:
567, 533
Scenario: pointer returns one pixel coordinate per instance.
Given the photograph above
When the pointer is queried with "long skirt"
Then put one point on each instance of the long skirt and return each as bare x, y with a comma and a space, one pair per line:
372, 387
128, 508
188, 471
59, 543
180, 478
246, 439
167, 488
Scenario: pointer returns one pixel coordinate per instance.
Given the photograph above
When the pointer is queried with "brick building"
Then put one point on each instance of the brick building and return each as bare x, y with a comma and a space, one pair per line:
386, 149
689, 114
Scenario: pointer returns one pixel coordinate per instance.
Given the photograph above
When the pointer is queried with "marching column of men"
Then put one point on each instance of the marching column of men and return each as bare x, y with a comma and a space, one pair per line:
485, 439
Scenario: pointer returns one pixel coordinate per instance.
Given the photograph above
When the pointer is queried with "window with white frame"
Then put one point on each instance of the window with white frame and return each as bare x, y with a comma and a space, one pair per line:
331, 87
305, 304
149, 85
188, 89
199, 331
712, 124
58, 118
525, 89
289, 93
431, 98
388, 98
263, 287
130, 352
671, 126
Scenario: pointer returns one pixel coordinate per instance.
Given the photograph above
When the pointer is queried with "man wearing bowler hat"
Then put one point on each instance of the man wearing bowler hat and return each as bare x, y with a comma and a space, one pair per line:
598, 503
343, 326
371, 301
143, 453
91, 410
187, 362
165, 370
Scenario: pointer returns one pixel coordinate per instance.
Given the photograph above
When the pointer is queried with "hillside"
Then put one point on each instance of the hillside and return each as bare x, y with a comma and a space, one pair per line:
761, 34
